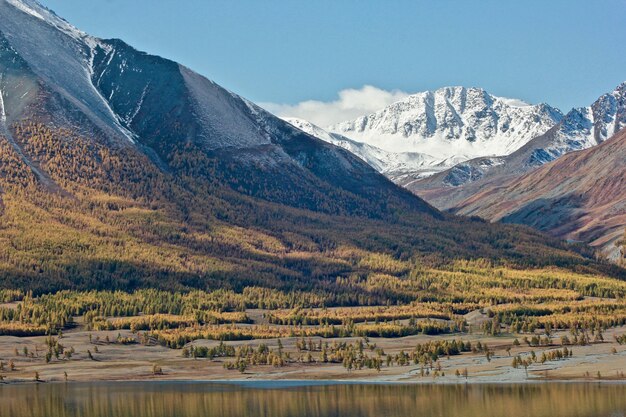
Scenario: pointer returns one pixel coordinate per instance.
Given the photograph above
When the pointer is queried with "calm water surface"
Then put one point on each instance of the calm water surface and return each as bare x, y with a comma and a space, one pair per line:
156, 399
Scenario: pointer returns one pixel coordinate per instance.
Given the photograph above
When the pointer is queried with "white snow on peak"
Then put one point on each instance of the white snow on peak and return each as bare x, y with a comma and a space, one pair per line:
34, 8
452, 122
23, 6
313, 129
585, 127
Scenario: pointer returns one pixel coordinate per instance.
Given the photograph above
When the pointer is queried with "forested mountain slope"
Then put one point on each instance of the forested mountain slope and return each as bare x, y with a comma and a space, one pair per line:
119, 169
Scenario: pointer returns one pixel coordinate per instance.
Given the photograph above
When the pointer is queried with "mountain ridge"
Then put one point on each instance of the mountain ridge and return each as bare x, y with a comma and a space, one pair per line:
452, 121
581, 128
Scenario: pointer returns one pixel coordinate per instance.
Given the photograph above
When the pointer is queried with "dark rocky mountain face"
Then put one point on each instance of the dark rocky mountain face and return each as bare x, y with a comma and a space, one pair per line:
147, 92
119, 169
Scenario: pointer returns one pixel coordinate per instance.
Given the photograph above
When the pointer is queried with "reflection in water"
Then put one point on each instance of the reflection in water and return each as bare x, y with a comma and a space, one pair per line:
225, 400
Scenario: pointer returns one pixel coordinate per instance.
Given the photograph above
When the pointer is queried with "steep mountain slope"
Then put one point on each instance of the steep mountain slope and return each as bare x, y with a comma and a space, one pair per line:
580, 196
580, 129
119, 169
452, 122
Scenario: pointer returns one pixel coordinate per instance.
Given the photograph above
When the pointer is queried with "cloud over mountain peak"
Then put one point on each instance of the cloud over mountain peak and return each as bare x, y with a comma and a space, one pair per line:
349, 104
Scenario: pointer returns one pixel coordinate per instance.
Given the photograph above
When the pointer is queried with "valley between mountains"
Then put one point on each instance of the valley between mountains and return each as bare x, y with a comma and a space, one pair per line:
155, 225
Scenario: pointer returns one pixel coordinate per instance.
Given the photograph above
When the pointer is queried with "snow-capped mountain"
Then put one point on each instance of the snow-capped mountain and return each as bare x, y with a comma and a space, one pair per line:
580, 129
584, 127
391, 164
452, 122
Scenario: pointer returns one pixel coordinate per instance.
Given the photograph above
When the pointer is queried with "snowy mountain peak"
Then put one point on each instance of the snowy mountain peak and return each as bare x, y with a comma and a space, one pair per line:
451, 122
431, 131
585, 127
580, 128
620, 89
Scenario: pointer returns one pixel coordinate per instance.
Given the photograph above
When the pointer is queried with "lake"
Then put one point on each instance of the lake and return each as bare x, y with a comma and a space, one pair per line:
186, 399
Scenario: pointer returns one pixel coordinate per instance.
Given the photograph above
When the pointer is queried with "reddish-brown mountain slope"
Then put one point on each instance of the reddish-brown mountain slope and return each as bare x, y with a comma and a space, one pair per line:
581, 196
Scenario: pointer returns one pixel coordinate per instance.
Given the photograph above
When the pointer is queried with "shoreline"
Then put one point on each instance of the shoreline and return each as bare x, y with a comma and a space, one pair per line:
302, 383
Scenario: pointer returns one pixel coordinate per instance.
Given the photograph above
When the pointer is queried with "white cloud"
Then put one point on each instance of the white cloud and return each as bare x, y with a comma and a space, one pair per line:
350, 104
514, 102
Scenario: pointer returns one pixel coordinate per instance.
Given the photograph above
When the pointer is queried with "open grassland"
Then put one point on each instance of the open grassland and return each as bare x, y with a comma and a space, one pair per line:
80, 355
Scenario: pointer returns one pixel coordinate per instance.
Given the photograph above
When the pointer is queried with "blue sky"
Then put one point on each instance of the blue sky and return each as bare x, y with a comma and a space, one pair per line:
565, 53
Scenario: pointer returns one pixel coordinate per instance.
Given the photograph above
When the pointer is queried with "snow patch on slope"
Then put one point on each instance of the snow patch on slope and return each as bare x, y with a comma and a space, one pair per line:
89, 72
3, 114
514, 102
393, 165
129, 119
